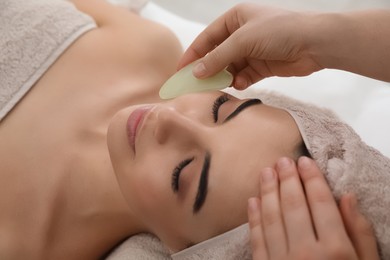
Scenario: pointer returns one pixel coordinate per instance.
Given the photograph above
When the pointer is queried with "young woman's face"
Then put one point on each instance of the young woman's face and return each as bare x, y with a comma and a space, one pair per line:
188, 166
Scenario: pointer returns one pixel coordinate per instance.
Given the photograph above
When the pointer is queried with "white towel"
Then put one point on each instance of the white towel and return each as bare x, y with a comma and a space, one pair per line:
348, 164
33, 34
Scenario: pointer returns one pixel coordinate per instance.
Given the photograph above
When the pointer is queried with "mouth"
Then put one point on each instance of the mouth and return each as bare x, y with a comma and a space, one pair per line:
134, 124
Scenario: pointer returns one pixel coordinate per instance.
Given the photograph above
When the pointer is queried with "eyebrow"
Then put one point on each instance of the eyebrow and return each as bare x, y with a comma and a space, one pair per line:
241, 107
203, 183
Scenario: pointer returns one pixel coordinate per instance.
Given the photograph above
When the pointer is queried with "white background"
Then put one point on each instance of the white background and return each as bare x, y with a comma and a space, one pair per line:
207, 10
361, 102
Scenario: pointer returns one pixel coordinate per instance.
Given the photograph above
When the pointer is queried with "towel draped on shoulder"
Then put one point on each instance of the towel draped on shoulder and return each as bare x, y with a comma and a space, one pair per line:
33, 35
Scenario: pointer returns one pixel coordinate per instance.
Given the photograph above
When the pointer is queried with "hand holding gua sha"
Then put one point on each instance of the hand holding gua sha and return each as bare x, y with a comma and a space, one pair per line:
184, 82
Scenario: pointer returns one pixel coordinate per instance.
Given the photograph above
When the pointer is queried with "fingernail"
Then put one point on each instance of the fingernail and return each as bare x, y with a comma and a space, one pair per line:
267, 175
304, 162
199, 70
284, 163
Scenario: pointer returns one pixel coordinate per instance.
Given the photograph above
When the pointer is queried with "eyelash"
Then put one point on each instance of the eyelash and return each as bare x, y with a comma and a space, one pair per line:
217, 104
177, 172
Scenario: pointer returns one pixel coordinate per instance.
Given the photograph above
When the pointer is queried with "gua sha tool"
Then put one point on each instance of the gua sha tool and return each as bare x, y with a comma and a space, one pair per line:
183, 82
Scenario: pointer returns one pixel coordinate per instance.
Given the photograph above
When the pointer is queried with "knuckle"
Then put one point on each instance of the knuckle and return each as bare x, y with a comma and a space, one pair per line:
304, 253
268, 190
271, 217
306, 250
214, 57
338, 251
292, 201
242, 6
210, 38
320, 196
286, 174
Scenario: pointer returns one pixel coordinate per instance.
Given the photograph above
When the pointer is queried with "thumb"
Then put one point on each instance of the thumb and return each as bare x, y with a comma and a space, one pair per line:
218, 59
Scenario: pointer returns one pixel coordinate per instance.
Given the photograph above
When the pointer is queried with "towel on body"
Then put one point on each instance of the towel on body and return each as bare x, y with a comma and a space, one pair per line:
347, 162
33, 35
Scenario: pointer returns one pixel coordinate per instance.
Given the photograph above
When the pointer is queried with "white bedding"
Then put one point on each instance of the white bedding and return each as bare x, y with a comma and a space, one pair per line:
361, 102
205, 11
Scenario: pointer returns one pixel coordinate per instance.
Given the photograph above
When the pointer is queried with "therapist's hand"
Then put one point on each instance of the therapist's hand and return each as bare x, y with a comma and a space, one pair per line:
302, 221
255, 42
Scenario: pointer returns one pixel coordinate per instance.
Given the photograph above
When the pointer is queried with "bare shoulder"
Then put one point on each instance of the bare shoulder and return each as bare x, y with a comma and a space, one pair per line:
130, 39
100, 10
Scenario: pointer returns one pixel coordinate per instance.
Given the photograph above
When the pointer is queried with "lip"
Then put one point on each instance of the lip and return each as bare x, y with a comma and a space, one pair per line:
134, 124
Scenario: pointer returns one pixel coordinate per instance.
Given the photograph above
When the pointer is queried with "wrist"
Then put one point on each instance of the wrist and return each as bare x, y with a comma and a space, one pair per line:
330, 40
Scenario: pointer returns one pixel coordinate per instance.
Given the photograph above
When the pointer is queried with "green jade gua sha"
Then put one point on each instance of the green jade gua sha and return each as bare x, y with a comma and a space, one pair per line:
183, 82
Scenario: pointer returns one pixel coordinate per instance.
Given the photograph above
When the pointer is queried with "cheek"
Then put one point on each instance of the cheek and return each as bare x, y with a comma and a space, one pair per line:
230, 189
145, 189
235, 175
155, 204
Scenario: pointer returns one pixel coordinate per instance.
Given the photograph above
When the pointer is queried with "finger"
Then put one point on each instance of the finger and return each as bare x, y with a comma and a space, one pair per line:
259, 250
324, 211
237, 66
240, 82
216, 60
272, 221
294, 207
358, 228
212, 36
252, 73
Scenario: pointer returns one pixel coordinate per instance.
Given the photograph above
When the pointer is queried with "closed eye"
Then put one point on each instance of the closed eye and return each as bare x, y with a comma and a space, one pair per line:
175, 179
217, 104
224, 98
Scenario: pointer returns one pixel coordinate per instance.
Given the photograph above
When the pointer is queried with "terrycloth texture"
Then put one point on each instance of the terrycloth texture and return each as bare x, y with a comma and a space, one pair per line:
348, 164
221, 247
33, 34
140, 247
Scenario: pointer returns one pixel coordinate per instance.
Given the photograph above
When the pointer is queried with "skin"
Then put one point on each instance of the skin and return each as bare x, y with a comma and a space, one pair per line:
257, 42
62, 148
58, 190
176, 130
56, 167
296, 217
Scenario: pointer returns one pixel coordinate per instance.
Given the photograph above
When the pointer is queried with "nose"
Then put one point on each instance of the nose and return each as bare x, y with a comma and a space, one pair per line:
177, 127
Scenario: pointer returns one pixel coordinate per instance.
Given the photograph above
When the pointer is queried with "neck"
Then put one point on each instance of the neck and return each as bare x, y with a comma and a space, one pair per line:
91, 210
